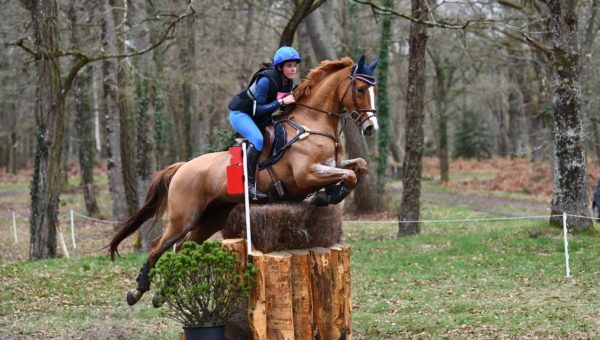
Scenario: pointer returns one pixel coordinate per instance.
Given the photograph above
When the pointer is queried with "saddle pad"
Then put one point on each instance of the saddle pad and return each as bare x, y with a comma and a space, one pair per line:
278, 149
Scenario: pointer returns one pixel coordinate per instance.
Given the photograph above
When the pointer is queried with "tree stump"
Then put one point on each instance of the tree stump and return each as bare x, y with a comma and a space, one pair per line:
300, 294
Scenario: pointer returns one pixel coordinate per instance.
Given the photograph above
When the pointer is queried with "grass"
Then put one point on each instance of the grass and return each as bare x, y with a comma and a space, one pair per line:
77, 297
457, 280
482, 280
465, 280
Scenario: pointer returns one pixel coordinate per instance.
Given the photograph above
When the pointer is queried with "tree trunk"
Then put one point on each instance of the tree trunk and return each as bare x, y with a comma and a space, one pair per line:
365, 193
301, 10
49, 114
146, 125
444, 74
383, 98
126, 116
411, 193
570, 185
11, 166
116, 185
317, 34
596, 139
83, 123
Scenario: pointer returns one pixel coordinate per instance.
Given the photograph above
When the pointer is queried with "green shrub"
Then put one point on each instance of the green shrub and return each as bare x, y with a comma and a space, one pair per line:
472, 138
203, 284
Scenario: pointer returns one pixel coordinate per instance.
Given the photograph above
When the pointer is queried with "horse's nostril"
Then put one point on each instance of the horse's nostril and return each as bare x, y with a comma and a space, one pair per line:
368, 130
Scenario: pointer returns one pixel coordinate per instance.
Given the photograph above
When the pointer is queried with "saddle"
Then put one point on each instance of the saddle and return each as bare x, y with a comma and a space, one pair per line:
274, 140
274, 146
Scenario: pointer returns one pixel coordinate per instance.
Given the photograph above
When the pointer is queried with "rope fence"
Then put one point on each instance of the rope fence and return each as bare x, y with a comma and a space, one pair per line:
92, 234
71, 216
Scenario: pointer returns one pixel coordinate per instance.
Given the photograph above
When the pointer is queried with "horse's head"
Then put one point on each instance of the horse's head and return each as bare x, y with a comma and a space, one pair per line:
361, 101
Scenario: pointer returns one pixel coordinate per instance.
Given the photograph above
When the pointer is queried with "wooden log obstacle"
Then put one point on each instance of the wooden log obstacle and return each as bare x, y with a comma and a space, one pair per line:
303, 288
300, 294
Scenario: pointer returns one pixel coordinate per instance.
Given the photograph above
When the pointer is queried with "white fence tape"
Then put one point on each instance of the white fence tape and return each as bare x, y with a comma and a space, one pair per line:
95, 219
72, 214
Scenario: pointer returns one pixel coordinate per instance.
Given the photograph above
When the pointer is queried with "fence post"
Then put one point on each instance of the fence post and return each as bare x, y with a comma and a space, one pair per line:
247, 204
14, 218
73, 230
62, 240
566, 244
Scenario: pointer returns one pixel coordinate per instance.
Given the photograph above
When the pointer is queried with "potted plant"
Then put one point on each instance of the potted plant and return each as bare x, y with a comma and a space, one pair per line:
202, 286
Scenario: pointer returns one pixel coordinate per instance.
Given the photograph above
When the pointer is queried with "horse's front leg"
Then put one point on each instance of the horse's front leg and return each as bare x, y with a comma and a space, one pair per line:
358, 165
338, 183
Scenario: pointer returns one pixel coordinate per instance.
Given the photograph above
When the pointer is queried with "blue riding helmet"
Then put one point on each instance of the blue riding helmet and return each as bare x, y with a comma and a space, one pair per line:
285, 53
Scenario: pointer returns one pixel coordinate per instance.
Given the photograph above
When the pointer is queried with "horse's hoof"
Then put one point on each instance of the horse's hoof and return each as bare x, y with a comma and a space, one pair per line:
156, 302
321, 199
133, 296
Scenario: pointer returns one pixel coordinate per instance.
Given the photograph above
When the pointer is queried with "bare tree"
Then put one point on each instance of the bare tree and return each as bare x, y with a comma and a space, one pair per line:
83, 121
50, 114
444, 70
146, 125
365, 198
116, 178
410, 208
570, 183
302, 8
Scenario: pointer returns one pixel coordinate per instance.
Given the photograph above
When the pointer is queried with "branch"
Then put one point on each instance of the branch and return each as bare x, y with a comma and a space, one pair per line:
39, 54
82, 59
527, 39
511, 4
442, 24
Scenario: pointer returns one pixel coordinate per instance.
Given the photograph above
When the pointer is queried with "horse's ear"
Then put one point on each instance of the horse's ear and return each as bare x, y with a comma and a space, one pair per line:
361, 62
373, 66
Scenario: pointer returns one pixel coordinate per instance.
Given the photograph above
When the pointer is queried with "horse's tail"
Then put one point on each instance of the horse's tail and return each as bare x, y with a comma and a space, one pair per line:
154, 206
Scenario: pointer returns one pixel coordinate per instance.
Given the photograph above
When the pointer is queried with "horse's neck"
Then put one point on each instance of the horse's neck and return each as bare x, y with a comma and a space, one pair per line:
324, 96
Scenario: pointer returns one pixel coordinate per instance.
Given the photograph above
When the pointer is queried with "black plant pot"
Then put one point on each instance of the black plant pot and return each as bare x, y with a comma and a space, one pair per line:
204, 333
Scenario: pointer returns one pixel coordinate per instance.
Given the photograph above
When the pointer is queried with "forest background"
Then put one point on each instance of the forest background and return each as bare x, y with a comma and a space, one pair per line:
128, 87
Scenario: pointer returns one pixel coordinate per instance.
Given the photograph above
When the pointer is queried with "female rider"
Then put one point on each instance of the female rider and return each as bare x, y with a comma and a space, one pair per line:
251, 110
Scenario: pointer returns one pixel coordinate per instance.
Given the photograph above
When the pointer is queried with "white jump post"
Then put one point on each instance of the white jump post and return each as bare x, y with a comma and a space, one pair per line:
247, 204
73, 230
566, 244
62, 241
14, 218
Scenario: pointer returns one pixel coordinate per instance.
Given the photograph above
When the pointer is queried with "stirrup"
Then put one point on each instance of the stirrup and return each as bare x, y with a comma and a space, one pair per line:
254, 194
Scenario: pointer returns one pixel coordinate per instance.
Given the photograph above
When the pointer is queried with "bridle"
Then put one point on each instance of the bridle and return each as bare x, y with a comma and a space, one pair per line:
356, 114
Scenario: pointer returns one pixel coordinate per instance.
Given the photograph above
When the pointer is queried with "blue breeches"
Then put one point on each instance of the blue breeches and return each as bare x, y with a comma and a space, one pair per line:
243, 123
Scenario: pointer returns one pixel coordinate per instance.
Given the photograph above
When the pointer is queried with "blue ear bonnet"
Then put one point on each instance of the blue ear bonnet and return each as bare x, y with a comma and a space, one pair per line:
362, 68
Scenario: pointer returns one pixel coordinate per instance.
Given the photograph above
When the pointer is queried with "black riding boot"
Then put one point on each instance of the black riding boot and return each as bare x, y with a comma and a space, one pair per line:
252, 158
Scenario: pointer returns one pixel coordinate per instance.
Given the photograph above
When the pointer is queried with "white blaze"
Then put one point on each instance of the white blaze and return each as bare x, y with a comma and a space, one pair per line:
374, 118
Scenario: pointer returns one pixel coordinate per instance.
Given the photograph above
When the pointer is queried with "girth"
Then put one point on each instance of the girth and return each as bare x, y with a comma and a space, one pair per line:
301, 133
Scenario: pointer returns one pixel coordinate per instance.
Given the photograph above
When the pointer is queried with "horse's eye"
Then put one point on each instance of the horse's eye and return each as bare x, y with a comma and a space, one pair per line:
361, 90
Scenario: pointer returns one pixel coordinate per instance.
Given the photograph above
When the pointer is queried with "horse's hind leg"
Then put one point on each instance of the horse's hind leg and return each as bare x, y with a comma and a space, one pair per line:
171, 235
208, 224
211, 222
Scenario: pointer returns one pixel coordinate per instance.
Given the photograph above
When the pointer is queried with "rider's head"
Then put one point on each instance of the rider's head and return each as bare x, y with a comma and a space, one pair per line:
285, 60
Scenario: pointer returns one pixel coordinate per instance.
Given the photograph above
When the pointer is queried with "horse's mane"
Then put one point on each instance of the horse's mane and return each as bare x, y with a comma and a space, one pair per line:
318, 73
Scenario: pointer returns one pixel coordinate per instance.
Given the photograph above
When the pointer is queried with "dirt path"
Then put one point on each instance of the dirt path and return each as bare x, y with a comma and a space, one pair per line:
489, 204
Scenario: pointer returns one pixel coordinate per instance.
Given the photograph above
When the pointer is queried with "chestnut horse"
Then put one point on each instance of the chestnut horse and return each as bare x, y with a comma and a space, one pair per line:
195, 192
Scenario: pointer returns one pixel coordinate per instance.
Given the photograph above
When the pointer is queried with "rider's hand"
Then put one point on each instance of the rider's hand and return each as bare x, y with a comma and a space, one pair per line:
287, 100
